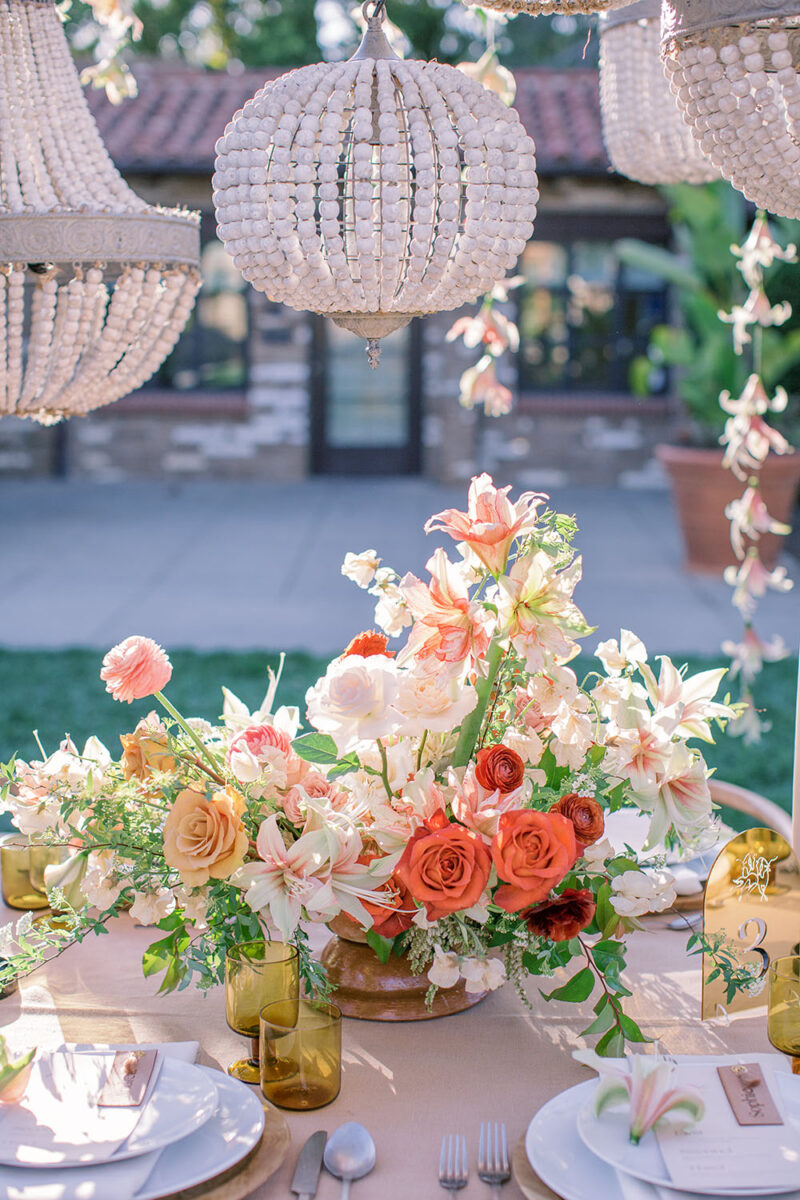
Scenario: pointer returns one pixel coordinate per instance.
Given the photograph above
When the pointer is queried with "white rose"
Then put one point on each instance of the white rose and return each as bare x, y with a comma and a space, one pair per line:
435, 703
361, 567
444, 971
149, 907
354, 700
483, 974
639, 892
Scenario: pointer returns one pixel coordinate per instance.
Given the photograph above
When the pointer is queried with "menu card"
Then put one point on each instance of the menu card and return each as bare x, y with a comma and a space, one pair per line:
719, 1152
59, 1121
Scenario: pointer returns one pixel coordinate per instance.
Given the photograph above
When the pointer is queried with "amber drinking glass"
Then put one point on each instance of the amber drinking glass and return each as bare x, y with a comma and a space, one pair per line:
783, 1015
22, 868
301, 1053
255, 974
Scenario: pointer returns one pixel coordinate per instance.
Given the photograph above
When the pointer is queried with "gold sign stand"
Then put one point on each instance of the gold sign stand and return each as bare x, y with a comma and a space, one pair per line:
753, 898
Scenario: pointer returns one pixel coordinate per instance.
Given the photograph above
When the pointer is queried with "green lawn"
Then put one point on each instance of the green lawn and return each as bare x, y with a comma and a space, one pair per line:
60, 691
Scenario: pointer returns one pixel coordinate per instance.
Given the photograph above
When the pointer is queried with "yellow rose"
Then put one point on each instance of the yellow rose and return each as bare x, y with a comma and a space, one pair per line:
145, 751
204, 838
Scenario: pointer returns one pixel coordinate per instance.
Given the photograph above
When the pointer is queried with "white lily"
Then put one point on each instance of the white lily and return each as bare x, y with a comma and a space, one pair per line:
646, 1087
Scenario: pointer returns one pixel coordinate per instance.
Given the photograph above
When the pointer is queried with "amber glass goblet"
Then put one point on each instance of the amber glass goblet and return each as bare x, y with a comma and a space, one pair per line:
255, 974
22, 868
301, 1053
783, 1014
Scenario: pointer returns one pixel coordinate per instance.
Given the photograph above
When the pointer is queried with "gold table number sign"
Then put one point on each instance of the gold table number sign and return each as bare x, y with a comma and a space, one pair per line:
753, 898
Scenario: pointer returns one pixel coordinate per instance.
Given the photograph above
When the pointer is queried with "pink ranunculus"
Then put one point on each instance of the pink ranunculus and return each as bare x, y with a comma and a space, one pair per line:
261, 750
491, 522
136, 668
448, 627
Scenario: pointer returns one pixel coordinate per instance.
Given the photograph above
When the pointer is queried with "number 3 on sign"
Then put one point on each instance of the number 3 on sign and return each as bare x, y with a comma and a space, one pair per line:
752, 900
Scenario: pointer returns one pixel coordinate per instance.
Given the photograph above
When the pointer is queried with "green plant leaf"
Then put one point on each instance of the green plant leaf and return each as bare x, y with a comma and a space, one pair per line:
576, 989
316, 748
630, 1029
611, 1044
382, 946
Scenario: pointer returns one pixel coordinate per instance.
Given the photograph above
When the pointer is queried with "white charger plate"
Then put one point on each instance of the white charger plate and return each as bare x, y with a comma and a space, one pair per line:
232, 1131
607, 1137
182, 1099
566, 1165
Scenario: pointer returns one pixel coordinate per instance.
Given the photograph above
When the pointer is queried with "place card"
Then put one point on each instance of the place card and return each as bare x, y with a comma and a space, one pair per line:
720, 1153
127, 1078
749, 1095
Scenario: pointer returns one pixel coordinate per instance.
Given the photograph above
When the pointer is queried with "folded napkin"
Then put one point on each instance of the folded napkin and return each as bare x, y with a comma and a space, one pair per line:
106, 1181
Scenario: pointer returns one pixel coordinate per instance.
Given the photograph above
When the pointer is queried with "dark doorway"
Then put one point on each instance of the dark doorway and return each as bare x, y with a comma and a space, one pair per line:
365, 422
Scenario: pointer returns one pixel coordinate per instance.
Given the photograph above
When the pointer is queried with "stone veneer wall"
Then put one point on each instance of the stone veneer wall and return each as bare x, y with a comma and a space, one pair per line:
263, 433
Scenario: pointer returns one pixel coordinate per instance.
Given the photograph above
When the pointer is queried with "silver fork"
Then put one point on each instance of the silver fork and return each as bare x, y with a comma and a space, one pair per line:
453, 1168
493, 1164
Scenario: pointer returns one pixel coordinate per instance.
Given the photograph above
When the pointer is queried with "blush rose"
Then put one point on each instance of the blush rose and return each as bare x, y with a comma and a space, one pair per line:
532, 852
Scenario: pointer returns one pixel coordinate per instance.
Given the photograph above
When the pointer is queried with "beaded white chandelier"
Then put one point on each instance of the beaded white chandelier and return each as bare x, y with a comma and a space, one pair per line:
733, 67
95, 285
539, 8
645, 135
375, 190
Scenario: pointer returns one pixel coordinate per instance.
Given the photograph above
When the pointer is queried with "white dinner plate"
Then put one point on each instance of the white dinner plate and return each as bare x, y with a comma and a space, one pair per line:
232, 1131
607, 1138
182, 1099
565, 1164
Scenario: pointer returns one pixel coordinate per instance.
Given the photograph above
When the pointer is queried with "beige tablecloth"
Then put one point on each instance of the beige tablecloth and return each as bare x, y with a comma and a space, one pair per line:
408, 1083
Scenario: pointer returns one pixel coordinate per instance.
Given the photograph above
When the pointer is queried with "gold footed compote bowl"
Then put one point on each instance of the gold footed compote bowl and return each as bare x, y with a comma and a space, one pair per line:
256, 973
783, 1015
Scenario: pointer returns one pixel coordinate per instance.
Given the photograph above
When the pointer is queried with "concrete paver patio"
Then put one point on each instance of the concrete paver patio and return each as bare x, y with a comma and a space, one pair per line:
235, 566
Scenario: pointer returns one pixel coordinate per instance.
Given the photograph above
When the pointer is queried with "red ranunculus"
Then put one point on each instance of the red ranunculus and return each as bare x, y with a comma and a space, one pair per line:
562, 917
499, 769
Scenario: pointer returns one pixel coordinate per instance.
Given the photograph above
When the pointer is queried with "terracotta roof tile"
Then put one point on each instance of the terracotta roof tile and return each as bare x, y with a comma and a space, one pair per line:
174, 122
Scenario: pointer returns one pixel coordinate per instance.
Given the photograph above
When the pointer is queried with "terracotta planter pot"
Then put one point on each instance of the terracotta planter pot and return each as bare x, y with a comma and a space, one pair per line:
371, 990
701, 489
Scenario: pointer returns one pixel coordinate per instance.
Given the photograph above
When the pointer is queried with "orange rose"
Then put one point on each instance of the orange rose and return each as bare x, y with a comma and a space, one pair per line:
144, 751
395, 913
532, 852
444, 866
205, 838
499, 769
586, 815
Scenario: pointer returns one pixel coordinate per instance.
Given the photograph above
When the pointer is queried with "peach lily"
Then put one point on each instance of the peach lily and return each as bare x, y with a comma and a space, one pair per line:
491, 523
448, 627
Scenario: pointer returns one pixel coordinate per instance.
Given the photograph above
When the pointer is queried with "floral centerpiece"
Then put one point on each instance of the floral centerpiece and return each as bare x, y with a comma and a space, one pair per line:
449, 799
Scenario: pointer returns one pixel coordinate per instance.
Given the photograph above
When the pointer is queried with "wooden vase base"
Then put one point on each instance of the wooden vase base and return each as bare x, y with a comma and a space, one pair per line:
371, 990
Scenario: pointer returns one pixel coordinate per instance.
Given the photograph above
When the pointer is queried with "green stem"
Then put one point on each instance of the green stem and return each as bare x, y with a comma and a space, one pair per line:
471, 725
187, 729
421, 748
385, 769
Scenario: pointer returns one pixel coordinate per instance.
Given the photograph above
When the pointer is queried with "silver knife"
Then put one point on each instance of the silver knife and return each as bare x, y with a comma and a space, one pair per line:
309, 1164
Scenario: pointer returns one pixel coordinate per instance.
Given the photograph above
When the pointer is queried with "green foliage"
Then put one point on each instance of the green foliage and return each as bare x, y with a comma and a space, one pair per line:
723, 954
705, 279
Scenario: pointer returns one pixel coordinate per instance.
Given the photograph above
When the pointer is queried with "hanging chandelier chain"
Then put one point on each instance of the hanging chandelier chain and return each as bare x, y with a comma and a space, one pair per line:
378, 10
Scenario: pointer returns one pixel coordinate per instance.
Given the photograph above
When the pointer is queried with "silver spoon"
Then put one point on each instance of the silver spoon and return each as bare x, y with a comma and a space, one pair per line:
349, 1154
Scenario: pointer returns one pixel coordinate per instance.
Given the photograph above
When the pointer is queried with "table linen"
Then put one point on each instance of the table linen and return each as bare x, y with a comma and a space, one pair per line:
408, 1082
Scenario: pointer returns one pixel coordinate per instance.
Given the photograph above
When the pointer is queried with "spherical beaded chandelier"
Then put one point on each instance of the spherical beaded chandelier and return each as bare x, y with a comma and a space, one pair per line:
645, 135
95, 285
540, 8
375, 190
733, 67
